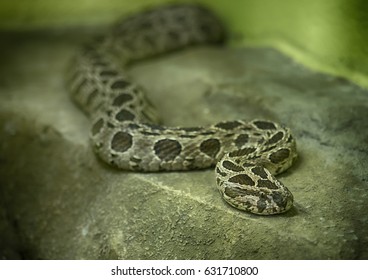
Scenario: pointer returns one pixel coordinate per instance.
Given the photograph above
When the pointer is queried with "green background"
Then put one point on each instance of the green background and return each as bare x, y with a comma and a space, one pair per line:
325, 35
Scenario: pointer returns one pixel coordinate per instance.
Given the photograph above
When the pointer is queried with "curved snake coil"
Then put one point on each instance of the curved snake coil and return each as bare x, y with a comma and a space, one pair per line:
125, 131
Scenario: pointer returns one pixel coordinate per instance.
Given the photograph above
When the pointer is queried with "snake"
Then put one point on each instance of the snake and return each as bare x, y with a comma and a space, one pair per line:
126, 131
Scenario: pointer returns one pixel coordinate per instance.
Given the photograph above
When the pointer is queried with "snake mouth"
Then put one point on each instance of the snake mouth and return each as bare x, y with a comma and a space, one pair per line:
258, 202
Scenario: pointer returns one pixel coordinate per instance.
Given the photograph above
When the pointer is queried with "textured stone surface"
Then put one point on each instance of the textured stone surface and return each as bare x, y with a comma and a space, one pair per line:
59, 202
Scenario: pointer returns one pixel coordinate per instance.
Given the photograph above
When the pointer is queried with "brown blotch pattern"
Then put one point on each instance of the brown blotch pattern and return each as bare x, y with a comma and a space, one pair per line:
210, 147
242, 179
91, 96
119, 84
241, 140
261, 205
124, 115
279, 155
264, 125
149, 133
275, 138
108, 73
242, 152
190, 129
259, 170
236, 192
280, 199
167, 149
121, 142
97, 126
267, 184
121, 99
187, 136
228, 125
231, 166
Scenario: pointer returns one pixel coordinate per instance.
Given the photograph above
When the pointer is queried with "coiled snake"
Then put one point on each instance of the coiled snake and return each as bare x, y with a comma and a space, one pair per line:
125, 131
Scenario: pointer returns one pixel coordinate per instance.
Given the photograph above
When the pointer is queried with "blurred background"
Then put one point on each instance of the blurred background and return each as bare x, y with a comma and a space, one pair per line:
328, 36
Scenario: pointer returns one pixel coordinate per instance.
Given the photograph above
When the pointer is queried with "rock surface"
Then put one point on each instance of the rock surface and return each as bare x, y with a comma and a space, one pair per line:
59, 202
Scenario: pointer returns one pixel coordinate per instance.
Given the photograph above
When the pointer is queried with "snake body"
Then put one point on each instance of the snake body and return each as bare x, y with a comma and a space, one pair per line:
125, 130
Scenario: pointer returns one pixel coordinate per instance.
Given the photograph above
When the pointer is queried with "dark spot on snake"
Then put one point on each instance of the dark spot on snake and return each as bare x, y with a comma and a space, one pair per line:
190, 129
210, 147
242, 179
108, 73
110, 125
229, 135
119, 84
275, 138
260, 171
207, 133
241, 152
121, 99
261, 205
187, 136
121, 142
97, 126
241, 140
269, 149
167, 149
235, 192
149, 133
223, 174
133, 126
91, 96
228, 125
124, 115
280, 199
267, 184
290, 139
264, 125
231, 166
279, 155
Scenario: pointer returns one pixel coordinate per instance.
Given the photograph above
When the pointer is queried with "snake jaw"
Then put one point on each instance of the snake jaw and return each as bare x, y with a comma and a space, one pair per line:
256, 201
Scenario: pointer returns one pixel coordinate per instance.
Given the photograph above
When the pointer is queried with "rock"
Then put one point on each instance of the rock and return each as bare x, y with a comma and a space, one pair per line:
61, 202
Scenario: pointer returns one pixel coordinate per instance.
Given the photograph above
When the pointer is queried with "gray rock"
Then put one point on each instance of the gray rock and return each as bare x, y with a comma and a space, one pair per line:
61, 202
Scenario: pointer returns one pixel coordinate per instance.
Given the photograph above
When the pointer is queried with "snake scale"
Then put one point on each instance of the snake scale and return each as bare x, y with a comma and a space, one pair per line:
125, 129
